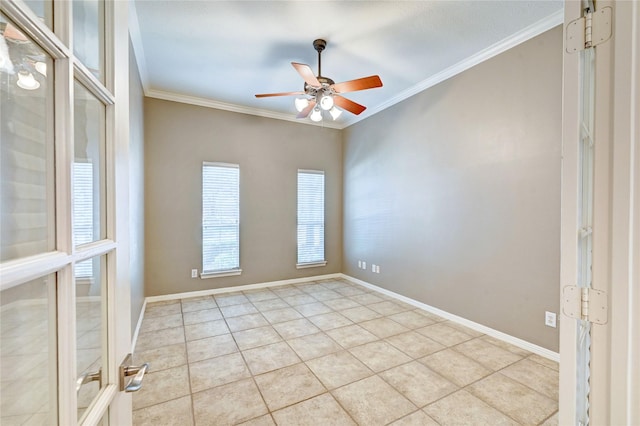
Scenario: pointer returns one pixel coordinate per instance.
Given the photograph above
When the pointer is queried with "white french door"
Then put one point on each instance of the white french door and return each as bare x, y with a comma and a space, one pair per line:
64, 289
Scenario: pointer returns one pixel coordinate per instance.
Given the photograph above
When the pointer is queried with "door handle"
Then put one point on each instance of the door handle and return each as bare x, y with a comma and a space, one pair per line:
127, 370
88, 378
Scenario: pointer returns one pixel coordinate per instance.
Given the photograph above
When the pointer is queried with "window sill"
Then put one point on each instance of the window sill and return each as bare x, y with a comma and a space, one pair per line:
311, 264
229, 273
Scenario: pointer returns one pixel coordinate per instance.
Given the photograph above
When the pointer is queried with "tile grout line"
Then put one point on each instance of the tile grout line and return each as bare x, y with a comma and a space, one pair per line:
324, 333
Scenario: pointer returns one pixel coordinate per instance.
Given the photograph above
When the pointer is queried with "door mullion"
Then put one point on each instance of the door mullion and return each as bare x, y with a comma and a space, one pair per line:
63, 107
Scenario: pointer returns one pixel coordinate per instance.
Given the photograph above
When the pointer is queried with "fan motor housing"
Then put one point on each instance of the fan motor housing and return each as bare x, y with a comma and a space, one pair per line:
325, 82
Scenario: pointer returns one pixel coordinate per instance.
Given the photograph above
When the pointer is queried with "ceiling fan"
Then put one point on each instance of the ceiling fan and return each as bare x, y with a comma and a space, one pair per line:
322, 93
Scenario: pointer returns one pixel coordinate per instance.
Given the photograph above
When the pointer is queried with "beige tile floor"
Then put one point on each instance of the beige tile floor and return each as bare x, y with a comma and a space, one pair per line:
330, 353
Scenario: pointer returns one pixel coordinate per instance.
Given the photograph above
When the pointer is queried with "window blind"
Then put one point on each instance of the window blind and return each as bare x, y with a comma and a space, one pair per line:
220, 217
310, 216
83, 213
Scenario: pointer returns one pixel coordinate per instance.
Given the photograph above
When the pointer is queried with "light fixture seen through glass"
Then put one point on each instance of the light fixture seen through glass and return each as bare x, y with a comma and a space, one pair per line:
41, 67
301, 103
316, 115
326, 102
26, 81
335, 113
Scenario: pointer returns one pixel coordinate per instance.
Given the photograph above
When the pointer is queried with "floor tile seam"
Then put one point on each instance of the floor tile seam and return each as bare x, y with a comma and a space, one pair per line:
163, 345
251, 328
548, 417
359, 344
298, 355
463, 355
469, 390
268, 300
522, 383
162, 329
167, 400
405, 416
182, 308
307, 316
244, 360
453, 347
326, 390
285, 339
341, 406
331, 392
373, 373
407, 354
161, 402
300, 360
236, 342
193, 411
529, 357
159, 329
475, 396
406, 397
147, 317
504, 349
426, 366
381, 371
365, 378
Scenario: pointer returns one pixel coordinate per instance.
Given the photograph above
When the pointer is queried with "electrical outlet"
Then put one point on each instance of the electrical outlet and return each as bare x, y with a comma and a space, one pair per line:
364, 265
550, 319
373, 268
377, 269
194, 273
360, 264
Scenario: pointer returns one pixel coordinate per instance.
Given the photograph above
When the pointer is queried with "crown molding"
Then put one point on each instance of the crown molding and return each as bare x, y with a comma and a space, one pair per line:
502, 46
209, 103
513, 40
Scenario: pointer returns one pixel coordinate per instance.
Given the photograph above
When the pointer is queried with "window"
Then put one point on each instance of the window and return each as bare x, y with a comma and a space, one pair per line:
83, 212
220, 219
310, 218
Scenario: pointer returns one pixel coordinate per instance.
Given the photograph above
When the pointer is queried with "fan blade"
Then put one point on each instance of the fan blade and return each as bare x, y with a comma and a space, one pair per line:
266, 95
358, 84
307, 74
349, 105
305, 112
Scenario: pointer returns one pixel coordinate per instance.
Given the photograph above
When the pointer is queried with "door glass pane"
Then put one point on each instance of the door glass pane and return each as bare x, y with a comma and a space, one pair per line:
26, 147
28, 353
90, 278
88, 168
88, 35
43, 10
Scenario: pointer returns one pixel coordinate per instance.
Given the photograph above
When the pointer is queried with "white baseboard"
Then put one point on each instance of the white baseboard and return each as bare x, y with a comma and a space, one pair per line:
246, 287
134, 340
539, 350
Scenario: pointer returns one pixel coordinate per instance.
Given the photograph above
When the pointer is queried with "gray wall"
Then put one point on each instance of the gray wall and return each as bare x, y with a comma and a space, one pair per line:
178, 138
136, 189
455, 193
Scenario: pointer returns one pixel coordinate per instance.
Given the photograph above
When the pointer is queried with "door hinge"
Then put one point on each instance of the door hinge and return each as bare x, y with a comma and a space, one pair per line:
586, 304
592, 29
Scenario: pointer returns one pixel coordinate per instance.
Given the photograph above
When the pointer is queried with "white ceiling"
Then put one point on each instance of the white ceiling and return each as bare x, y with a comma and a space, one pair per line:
221, 53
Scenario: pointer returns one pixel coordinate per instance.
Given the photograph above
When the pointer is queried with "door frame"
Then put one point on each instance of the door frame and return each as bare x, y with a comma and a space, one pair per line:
615, 347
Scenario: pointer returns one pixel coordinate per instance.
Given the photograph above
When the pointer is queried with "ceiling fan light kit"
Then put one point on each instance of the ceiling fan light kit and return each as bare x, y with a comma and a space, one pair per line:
322, 93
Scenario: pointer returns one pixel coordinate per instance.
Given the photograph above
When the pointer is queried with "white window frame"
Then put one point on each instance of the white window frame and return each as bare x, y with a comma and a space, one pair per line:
311, 263
214, 273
